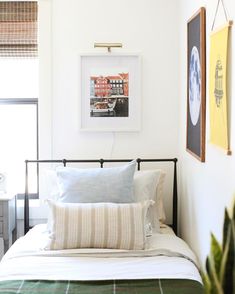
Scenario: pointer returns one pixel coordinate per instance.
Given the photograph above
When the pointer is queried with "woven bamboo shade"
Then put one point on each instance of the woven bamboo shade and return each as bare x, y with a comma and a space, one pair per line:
18, 29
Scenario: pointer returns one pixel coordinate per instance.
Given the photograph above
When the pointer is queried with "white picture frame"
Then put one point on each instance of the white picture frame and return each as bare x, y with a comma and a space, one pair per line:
110, 92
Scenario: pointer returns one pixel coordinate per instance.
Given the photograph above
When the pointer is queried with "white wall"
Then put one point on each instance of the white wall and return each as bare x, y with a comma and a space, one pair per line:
205, 188
68, 28
141, 27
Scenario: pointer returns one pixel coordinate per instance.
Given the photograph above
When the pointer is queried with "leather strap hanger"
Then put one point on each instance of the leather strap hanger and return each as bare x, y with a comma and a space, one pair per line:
217, 8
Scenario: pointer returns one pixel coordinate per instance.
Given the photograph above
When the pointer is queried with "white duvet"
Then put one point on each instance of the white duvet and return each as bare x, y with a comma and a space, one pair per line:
166, 256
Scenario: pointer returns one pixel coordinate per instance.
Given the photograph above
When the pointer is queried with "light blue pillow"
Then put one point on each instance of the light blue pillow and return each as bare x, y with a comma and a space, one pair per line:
97, 184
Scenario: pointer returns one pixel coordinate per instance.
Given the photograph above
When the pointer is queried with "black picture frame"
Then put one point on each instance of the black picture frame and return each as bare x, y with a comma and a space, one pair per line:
196, 84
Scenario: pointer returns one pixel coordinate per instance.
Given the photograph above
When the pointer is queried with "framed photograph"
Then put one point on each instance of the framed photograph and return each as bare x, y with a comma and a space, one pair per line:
110, 92
196, 85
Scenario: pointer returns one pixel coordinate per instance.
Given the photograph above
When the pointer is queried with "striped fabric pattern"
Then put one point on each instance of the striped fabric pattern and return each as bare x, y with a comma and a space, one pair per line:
98, 225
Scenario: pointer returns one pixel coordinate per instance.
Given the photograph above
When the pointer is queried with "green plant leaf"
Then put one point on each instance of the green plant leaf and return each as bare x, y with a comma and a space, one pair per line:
206, 283
227, 264
216, 253
211, 267
220, 264
233, 212
216, 287
207, 265
225, 228
233, 237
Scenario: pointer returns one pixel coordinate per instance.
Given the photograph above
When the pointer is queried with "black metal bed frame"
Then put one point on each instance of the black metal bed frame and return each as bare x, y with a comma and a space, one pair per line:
101, 162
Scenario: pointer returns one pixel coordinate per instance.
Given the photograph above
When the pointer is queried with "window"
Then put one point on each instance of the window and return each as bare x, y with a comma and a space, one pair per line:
19, 141
18, 91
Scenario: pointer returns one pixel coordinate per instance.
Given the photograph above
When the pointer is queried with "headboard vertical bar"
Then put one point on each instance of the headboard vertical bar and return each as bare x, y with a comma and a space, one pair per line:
138, 163
101, 163
26, 200
175, 198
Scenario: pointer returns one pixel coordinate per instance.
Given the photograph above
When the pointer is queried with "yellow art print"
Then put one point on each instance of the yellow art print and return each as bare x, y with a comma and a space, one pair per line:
218, 85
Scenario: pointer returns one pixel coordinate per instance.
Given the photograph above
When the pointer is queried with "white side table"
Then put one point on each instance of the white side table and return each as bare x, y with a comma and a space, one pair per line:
8, 227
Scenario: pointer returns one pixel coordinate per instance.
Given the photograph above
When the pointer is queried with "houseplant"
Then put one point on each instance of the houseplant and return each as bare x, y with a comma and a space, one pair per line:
219, 277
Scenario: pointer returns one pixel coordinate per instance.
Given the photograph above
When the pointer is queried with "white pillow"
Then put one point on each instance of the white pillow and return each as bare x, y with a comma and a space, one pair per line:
98, 225
159, 199
148, 185
49, 186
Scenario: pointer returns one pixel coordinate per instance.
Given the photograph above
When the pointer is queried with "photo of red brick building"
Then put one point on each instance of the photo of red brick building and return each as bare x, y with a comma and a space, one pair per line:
109, 95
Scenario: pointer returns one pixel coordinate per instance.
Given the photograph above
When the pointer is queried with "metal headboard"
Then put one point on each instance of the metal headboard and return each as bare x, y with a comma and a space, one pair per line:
101, 162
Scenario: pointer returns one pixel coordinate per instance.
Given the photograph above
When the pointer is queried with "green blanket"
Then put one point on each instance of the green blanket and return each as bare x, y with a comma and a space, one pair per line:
158, 286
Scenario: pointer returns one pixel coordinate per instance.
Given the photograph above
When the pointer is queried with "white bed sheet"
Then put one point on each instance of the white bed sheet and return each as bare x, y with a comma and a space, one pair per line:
166, 256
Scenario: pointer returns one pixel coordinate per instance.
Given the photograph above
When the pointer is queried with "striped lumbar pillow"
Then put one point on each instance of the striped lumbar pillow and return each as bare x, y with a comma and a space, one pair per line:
98, 225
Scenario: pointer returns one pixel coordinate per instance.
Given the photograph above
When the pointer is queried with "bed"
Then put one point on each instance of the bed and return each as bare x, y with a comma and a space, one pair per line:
164, 265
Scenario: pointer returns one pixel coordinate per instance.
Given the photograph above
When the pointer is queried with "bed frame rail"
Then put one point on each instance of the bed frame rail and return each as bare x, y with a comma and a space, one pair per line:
102, 162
